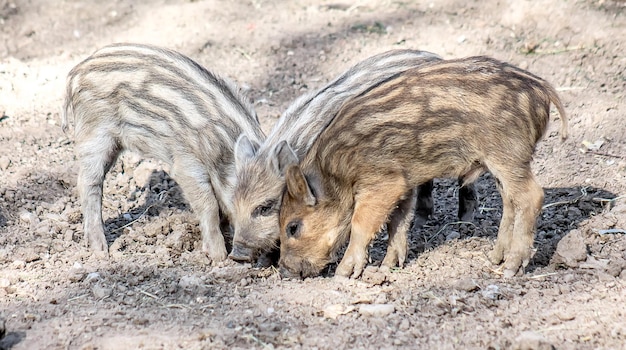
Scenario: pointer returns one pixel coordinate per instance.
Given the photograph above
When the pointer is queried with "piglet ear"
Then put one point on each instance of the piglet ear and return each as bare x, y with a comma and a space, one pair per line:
282, 157
244, 150
298, 186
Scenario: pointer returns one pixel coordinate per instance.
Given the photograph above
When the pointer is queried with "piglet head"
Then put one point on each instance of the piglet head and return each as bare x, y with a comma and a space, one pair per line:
309, 226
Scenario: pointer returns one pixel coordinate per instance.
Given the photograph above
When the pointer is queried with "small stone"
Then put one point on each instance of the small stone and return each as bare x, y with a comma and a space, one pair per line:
4, 163
334, 310
93, 276
491, 292
29, 218
101, 292
571, 250
376, 310
565, 315
68, 235
372, 275
18, 264
76, 275
243, 282
466, 284
189, 282
4, 282
531, 341
453, 235
405, 324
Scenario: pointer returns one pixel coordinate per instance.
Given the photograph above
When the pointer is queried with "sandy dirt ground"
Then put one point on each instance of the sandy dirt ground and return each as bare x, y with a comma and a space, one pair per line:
158, 291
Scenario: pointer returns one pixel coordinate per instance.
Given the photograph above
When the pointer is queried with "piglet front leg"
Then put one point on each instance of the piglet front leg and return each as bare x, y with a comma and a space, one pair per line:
373, 203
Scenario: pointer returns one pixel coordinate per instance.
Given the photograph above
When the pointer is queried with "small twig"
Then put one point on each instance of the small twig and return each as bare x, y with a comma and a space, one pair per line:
604, 154
604, 200
245, 54
158, 201
483, 209
583, 192
258, 341
543, 275
175, 306
446, 225
611, 231
149, 294
554, 204
554, 52
77, 297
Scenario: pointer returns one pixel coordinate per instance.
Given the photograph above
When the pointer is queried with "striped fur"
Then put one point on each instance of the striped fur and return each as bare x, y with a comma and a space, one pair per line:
449, 118
260, 170
162, 105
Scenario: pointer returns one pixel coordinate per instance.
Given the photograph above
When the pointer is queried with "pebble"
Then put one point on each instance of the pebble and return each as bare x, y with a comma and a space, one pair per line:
93, 276
4, 162
404, 325
101, 292
571, 250
372, 275
376, 310
68, 235
18, 264
565, 315
334, 310
453, 235
465, 284
4, 282
531, 341
189, 282
491, 292
28, 217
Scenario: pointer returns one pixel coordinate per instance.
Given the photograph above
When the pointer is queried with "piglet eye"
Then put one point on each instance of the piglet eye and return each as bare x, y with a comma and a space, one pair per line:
264, 209
293, 229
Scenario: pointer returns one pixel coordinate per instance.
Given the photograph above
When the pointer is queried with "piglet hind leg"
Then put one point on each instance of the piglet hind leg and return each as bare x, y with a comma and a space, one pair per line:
198, 190
521, 208
424, 203
373, 203
96, 157
398, 228
468, 200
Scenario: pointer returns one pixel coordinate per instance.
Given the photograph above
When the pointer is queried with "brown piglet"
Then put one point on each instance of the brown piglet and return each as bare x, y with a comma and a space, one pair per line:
453, 118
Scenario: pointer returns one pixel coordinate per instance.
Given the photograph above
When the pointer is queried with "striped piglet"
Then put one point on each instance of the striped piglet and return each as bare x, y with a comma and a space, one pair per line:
163, 105
260, 169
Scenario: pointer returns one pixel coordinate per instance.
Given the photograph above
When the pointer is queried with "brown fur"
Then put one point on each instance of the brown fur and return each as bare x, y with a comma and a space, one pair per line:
455, 118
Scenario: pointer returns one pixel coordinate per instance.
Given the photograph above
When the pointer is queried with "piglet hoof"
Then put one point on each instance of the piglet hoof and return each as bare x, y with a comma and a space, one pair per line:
393, 258
101, 254
351, 266
496, 255
516, 263
98, 244
241, 254
215, 253
467, 216
420, 219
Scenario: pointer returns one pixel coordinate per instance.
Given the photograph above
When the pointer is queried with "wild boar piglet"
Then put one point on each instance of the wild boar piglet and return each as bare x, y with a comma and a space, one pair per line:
260, 168
454, 118
159, 104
